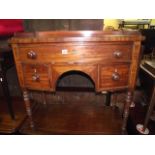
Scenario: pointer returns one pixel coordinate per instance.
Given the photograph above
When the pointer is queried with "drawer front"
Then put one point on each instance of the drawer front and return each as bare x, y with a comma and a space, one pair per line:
75, 53
36, 76
113, 77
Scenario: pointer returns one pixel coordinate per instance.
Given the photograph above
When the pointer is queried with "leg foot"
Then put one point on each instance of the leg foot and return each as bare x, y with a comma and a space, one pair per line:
140, 128
132, 105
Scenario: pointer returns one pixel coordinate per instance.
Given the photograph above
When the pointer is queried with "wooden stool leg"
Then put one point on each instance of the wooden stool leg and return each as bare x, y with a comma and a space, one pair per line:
143, 128
126, 110
28, 107
150, 109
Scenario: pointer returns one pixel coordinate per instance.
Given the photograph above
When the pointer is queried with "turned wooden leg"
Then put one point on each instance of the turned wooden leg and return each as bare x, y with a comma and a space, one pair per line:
28, 107
143, 128
150, 109
126, 110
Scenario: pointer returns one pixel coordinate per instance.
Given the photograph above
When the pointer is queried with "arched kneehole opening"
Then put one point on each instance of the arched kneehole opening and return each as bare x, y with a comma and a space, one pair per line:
75, 80
77, 87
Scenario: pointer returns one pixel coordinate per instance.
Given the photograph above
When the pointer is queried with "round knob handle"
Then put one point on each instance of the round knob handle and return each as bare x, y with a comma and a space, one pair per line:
31, 55
117, 54
115, 76
35, 77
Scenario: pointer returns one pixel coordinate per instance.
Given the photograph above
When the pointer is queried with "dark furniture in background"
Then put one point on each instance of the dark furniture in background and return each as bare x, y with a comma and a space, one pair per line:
147, 77
149, 43
140, 23
32, 25
6, 62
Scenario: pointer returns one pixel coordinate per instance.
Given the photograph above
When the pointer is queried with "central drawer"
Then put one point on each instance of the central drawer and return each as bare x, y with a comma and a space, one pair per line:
75, 52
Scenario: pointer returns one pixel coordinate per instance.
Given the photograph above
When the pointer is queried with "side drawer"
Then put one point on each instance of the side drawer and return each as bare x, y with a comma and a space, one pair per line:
113, 76
36, 76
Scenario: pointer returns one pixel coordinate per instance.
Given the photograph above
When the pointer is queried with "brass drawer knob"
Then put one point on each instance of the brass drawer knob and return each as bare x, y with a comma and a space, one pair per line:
117, 54
35, 77
116, 76
31, 55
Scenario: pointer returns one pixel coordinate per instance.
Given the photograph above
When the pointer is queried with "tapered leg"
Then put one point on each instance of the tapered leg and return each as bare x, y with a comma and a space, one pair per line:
28, 107
126, 110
